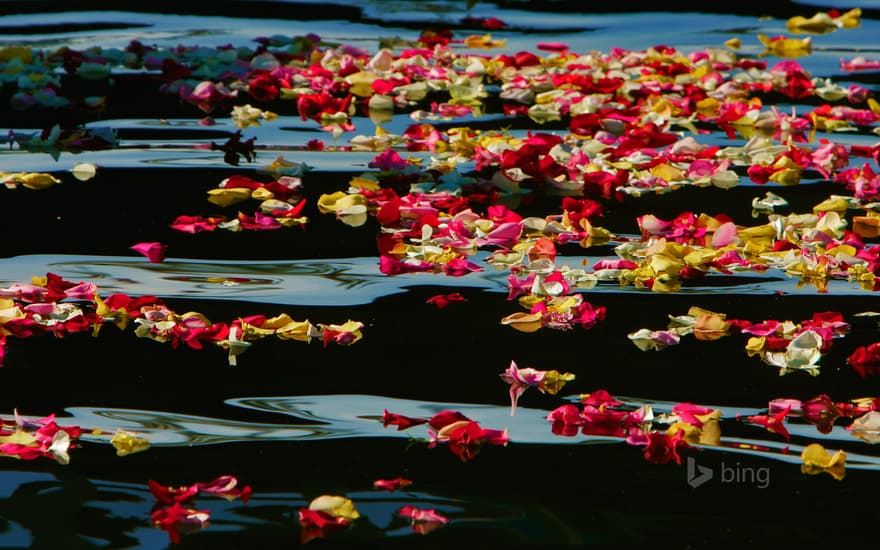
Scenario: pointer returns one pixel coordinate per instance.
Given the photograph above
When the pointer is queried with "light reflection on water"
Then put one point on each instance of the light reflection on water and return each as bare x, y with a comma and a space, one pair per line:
274, 140
322, 282
329, 417
303, 282
123, 509
583, 32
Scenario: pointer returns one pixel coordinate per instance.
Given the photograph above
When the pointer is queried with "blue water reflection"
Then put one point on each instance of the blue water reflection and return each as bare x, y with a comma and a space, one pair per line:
333, 417
333, 282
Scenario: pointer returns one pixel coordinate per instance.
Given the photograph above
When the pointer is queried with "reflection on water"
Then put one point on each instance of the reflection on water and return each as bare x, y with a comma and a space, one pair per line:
329, 417
330, 282
68, 507
60, 511
294, 282
170, 429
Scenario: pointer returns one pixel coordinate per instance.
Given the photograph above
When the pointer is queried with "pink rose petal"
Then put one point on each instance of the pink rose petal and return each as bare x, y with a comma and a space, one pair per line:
155, 252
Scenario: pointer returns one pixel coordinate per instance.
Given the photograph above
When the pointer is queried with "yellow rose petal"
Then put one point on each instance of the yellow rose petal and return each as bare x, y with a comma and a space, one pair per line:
523, 322
336, 506
128, 443
228, 197
817, 460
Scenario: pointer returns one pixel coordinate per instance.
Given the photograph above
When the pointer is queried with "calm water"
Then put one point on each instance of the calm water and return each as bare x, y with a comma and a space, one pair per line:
295, 421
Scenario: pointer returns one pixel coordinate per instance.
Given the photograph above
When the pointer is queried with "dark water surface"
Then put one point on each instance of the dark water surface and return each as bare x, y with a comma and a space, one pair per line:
296, 421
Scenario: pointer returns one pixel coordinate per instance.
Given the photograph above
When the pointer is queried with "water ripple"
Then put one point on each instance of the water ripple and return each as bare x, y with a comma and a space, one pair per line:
329, 417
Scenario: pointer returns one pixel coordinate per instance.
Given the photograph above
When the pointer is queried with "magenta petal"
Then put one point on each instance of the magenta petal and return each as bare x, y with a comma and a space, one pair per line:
615, 264
388, 160
552, 46
43, 310
504, 234
516, 390
762, 329
417, 514
793, 406
701, 167
155, 252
